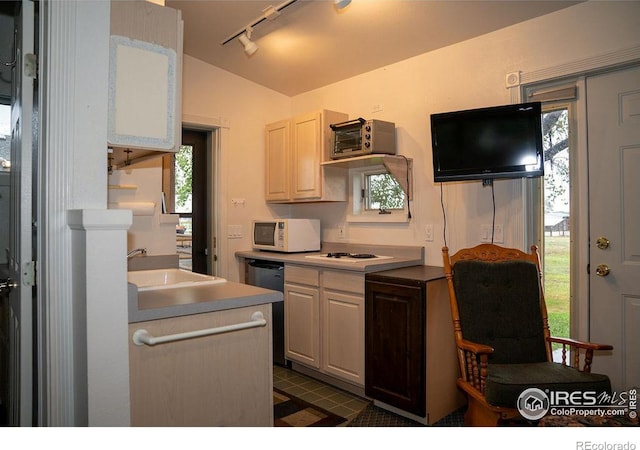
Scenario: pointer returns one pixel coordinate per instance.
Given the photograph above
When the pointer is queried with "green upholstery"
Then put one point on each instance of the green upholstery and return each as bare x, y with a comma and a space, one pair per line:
499, 306
505, 382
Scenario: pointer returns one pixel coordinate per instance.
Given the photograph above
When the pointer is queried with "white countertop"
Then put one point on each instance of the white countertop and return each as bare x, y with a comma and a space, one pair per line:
167, 303
394, 257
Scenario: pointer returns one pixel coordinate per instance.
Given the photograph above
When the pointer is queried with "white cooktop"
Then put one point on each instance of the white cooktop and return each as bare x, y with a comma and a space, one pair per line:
347, 259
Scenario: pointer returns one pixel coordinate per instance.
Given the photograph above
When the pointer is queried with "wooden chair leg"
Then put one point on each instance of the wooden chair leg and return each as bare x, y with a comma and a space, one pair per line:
478, 415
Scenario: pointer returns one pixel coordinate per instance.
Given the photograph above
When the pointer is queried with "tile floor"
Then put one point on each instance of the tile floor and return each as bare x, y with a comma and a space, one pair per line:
337, 401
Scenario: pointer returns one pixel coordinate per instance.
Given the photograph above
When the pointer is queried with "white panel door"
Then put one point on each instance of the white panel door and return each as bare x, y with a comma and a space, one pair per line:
613, 108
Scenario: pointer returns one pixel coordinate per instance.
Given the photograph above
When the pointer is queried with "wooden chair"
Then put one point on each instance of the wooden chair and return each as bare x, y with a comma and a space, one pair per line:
502, 333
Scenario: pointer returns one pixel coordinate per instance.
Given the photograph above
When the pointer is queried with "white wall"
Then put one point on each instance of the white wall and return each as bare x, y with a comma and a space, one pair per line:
244, 108
150, 229
466, 75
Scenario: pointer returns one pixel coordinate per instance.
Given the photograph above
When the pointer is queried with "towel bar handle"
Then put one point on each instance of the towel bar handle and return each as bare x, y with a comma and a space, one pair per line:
143, 337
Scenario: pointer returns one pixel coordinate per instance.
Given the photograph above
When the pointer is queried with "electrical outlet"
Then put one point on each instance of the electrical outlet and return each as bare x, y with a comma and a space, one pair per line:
428, 232
342, 231
485, 233
234, 231
498, 234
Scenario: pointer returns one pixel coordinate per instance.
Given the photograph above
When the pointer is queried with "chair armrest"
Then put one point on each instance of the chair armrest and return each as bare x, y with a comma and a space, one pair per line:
475, 347
574, 347
473, 362
579, 344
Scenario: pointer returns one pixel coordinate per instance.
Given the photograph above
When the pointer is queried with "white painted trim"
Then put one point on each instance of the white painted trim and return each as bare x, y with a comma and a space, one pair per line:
596, 63
100, 219
99, 246
82, 293
219, 129
58, 54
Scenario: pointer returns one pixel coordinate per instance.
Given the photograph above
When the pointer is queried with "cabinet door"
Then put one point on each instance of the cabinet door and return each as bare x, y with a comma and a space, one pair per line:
343, 336
301, 329
145, 76
277, 142
395, 345
307, 155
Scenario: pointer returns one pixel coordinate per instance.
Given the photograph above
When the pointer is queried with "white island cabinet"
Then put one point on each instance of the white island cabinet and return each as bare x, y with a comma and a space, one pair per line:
223, 379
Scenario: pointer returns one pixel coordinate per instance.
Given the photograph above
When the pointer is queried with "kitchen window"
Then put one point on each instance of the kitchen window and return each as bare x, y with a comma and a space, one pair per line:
376, 196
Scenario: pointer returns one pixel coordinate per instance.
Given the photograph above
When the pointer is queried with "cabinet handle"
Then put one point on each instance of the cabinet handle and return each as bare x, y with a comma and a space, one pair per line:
143, 337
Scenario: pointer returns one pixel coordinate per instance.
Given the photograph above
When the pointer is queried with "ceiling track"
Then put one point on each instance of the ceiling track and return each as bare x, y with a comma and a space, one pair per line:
270, 13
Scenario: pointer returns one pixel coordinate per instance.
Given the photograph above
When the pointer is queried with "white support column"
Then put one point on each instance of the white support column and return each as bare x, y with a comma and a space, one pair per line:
73, 71
99, 251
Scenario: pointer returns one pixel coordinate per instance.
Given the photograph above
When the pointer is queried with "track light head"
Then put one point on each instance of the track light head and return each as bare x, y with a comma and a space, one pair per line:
250, 47
340, 4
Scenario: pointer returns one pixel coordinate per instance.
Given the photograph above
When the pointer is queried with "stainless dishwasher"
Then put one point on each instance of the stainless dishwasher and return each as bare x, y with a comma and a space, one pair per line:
270, 275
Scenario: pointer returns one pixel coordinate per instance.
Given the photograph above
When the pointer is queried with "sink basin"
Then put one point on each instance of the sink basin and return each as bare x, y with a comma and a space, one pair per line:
151, 280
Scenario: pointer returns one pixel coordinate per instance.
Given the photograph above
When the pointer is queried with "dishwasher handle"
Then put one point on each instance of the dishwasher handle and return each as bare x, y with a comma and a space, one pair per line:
266, 265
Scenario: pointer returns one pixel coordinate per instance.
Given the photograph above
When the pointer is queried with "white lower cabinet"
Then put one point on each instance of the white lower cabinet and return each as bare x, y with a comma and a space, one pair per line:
324, 321
301, 312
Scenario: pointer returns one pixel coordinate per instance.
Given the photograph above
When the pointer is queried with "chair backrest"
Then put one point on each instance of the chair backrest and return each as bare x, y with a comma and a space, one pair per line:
497, 300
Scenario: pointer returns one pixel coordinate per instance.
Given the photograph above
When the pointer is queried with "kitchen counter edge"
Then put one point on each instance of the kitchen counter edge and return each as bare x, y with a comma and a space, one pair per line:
185, 301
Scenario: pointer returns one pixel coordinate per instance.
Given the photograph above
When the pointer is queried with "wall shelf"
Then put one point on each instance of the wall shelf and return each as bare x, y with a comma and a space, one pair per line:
399, 166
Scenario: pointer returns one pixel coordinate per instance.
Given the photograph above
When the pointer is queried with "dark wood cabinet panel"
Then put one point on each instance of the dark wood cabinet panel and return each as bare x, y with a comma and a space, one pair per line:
411, 363
395, 345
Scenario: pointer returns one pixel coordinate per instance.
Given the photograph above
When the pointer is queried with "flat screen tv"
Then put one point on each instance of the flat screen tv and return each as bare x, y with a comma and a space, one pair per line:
488, 143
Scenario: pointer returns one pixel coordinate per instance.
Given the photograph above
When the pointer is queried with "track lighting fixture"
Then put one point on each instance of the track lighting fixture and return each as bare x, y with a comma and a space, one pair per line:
250, 47
340, 4
270, 13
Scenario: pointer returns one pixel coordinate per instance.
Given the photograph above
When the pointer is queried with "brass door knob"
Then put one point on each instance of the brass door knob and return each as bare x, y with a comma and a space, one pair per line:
602, 270
602, 242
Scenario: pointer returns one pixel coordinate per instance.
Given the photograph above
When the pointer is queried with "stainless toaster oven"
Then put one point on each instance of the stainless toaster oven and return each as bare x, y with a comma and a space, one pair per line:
362, 137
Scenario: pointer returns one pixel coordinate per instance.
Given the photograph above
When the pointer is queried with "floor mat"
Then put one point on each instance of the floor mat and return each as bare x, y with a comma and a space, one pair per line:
291, 411
374, 416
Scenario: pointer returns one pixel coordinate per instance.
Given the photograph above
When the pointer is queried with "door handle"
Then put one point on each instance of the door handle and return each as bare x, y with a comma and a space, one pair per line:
602, 270
6, 285
602, 243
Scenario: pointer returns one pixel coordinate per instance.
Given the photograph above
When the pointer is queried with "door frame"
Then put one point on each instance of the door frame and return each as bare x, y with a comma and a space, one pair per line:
217, 136
579, 202
610, 61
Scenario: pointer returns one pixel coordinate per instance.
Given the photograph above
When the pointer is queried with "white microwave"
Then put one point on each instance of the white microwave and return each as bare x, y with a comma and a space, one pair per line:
286, 235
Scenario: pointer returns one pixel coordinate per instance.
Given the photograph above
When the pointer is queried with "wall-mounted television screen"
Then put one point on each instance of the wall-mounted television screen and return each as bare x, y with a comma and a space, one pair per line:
488, 143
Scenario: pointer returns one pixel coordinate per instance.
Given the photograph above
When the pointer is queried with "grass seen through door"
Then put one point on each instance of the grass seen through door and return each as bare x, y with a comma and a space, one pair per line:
556, 283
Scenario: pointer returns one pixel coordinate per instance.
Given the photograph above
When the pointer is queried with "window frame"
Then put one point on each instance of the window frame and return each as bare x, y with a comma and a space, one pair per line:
357, 203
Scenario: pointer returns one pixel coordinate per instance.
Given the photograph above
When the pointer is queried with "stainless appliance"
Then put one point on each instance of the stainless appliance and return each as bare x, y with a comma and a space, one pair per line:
362, 137
286, 235
270, 275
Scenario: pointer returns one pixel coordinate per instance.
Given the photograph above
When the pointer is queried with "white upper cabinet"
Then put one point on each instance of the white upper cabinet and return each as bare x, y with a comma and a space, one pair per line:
295, 150
145, 77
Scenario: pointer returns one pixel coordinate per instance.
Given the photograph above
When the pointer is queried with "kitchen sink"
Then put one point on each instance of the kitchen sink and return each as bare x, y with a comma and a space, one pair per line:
155, 279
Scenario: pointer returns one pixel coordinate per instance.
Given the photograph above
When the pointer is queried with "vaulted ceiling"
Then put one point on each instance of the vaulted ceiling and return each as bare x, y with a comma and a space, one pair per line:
312, 44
